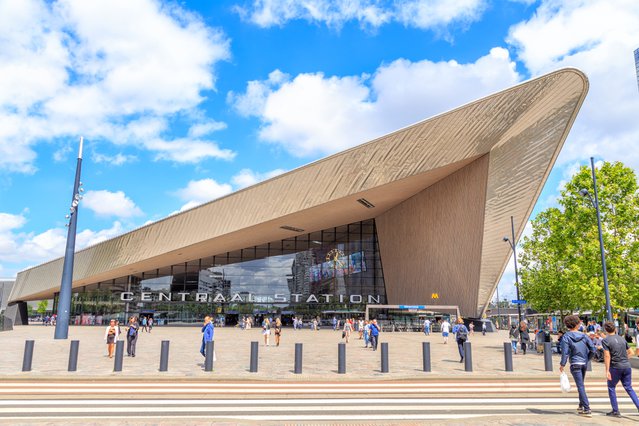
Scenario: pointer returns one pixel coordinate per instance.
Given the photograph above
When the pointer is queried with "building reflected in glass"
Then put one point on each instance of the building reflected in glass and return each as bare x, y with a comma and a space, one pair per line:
336, 271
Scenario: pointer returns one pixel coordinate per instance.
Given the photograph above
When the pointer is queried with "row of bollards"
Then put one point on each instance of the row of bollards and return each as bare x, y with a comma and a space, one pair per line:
27, 359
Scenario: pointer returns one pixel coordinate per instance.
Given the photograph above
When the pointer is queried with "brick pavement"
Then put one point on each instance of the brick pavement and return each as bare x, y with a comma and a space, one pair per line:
275, 363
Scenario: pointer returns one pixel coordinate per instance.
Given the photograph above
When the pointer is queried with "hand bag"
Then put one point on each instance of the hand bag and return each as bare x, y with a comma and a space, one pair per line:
564, 383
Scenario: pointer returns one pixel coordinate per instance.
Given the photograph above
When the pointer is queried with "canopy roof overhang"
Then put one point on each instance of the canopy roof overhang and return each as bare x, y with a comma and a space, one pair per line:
521, 129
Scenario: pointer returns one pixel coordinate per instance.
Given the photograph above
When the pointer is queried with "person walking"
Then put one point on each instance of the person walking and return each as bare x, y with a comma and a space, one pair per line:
360, 328
367, 333
445, 330
266, 330
111, 335
144, 324
150, 324
514, 337
618, 368
278, 331
132, 337
207, 334
577, 347
471, 328
347, 330
461, 336
374, 329
427, 327
524, 336
483, 328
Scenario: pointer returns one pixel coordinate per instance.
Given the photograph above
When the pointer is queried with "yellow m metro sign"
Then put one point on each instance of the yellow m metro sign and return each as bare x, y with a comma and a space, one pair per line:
434, 296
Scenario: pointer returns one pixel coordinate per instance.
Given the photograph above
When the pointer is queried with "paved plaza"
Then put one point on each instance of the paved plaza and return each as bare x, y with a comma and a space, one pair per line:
232, 347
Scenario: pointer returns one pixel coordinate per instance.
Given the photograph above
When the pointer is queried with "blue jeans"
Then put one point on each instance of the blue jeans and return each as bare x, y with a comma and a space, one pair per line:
374, 341
579, 375
514, 345
625, 376
460, 347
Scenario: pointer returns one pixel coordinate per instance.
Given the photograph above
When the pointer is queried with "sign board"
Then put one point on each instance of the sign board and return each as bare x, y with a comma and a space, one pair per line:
412, 307
519, 302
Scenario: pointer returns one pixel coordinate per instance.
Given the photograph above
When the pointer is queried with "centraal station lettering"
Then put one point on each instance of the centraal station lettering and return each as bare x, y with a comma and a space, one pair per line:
128, 296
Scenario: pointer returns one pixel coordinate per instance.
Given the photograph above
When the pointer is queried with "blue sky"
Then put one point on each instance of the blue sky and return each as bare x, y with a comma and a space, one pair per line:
180, 103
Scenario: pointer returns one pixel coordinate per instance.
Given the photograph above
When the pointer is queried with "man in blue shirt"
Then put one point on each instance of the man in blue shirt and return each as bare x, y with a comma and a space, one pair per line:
374, 330
207, 334
579, 348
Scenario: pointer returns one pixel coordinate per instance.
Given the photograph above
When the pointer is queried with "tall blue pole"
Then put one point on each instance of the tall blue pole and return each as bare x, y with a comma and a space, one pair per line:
601, 243
64, 298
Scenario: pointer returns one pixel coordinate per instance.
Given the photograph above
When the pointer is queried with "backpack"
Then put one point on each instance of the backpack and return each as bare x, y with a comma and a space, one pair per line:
462, 333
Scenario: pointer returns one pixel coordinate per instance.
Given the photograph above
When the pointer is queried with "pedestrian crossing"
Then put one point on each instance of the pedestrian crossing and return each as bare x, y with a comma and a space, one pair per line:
452, 387
23, 401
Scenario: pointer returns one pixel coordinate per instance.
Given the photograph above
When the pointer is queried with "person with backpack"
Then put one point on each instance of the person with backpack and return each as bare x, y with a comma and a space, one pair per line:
132, 337
461, 336
577, 347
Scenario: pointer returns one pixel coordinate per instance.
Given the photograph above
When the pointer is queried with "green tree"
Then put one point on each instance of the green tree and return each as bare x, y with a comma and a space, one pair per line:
561, 260
42, 307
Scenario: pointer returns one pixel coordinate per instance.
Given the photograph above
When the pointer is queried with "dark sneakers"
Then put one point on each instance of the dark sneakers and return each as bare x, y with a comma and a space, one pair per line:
614, 414
586, 413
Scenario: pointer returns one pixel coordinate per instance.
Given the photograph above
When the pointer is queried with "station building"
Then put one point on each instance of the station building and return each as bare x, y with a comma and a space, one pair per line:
415, 217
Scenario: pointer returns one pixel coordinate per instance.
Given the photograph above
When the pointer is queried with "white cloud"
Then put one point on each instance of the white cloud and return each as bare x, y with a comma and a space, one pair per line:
70, 68
19, 249
313, 114
368, 13
201, 191
115, 160
187, 150
107, 203
248, 177
598, 37
202, 129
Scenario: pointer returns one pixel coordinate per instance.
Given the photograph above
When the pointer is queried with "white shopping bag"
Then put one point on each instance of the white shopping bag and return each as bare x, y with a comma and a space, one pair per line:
564, 383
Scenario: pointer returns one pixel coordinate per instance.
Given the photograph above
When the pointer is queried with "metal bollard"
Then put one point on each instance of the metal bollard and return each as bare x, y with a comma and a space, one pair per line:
548, 356
426, 356
468, 357
208, 356
254, 349
508, 356
73, 355
589, 366
384, 357
164, 355
298, 358
341, 358
27, 359
119, 354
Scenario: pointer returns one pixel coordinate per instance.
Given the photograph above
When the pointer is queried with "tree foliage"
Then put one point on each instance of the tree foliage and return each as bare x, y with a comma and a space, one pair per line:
561, 261
42, 307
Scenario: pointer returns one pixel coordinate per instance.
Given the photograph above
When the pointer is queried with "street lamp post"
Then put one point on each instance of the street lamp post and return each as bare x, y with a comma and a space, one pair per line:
513, 246
64, 298
595, 203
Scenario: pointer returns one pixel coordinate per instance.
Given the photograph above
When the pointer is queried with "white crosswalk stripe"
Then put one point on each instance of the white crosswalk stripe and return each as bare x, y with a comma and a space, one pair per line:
261, 401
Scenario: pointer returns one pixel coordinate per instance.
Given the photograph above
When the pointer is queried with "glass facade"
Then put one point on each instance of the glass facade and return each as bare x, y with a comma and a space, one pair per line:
333, 272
